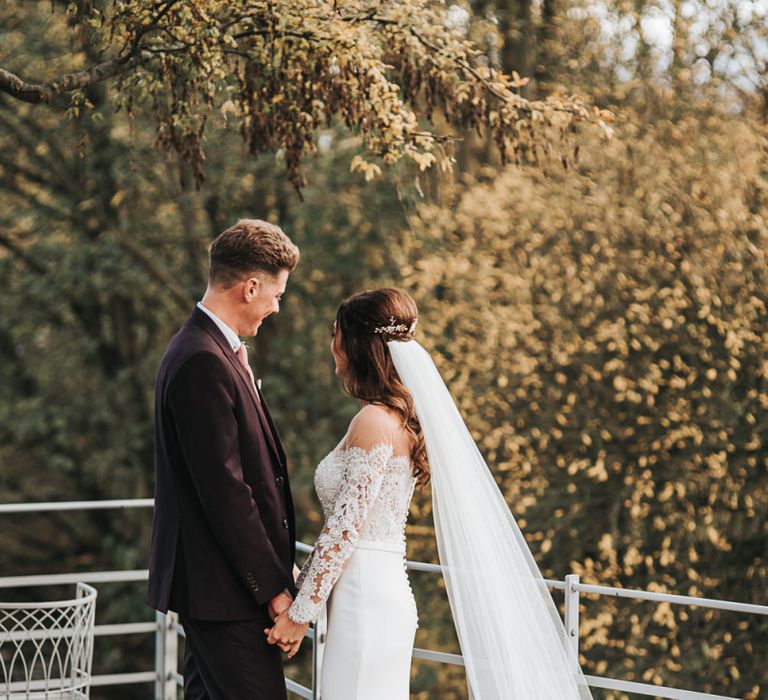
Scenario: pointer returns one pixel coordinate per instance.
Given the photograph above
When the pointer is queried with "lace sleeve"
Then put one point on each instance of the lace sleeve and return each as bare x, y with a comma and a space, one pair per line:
304, 569
360, 483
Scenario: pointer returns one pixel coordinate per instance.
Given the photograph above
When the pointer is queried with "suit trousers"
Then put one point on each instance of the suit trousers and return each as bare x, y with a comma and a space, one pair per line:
231, 661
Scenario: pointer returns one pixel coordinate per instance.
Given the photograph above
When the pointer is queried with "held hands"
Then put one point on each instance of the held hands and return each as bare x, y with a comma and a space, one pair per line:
279, 604
286, 633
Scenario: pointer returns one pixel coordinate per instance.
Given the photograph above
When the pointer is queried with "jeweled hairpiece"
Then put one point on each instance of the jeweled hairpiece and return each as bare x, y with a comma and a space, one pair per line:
395, 327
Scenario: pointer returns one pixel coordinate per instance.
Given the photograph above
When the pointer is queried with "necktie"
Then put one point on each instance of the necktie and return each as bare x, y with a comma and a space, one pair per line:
242, 355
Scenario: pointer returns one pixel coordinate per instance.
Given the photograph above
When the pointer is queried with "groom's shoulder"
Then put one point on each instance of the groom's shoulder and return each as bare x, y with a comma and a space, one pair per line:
191, 344
190, 339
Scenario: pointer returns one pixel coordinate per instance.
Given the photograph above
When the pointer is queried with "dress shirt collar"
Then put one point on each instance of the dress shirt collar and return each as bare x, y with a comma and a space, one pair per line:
229, 334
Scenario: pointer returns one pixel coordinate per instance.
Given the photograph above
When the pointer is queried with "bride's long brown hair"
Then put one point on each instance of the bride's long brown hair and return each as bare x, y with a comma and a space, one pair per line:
370, 374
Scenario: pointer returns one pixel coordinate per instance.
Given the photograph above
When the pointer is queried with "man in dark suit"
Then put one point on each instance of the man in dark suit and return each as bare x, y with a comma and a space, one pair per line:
223, 537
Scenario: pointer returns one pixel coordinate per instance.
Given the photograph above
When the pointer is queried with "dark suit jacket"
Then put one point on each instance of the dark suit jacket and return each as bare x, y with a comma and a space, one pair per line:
223, 535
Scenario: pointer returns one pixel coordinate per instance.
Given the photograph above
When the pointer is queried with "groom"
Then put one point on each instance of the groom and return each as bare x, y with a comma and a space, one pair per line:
223, 538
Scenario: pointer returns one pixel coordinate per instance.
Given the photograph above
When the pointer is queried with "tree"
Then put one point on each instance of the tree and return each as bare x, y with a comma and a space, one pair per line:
281, 71
606, 336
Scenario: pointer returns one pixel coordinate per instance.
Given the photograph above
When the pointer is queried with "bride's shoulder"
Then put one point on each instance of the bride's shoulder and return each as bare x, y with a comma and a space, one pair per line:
374, 414
373, 425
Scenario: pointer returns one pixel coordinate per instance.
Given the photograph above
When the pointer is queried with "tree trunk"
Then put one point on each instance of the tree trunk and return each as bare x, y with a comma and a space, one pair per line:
517, 30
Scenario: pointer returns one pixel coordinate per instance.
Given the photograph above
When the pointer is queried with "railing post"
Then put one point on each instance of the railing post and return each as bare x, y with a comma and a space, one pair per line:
166, 656
321, 628
572, 611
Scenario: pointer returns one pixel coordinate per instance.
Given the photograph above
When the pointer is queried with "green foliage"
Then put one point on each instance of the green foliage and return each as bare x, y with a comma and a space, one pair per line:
606, 336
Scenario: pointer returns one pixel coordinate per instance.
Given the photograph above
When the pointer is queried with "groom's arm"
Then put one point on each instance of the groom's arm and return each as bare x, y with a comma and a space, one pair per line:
201, 399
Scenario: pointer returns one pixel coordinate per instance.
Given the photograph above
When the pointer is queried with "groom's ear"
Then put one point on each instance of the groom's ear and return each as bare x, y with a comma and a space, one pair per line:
251, 288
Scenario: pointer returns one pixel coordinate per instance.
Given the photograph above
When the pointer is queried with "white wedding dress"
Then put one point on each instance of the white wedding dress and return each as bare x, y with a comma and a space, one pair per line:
358, 564
513, 641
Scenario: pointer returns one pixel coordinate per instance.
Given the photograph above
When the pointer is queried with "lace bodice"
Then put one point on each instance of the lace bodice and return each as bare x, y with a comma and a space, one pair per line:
365, 490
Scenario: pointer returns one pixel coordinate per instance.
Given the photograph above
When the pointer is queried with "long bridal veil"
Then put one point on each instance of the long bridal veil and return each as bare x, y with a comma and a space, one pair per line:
512, 638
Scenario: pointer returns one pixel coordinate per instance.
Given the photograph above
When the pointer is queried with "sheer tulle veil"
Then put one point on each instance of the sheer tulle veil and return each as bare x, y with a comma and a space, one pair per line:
511, 635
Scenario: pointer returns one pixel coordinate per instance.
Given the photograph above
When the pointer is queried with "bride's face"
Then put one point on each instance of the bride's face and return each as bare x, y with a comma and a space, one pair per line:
336, 350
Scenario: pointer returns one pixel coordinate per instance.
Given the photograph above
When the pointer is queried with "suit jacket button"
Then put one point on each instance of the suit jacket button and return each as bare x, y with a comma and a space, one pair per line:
255, 587
279, 480
285, 523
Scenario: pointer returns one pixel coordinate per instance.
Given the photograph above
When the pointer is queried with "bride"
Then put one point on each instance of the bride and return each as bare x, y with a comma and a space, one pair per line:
408, 433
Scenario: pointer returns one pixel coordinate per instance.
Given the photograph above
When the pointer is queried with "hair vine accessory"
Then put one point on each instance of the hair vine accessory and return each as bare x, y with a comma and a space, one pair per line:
395, 327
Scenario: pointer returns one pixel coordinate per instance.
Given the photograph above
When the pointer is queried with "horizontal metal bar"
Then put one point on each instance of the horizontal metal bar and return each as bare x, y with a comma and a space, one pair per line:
438, 569
300, 690
42, 689
656, 691
23, 635
593, 681
423, 566
125, 628
124, 678
441, 657
54, 506
672, 598
51, 604
292, 686
51, 633
103, 680
85, 576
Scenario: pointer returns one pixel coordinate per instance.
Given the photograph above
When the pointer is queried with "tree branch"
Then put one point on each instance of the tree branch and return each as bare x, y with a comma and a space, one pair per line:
60, 187
14, 248
177, 293
25, 130
20, 135
44, 92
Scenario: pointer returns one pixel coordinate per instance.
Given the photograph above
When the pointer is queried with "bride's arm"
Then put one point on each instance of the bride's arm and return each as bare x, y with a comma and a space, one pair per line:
366, 457
360, 484
304, 569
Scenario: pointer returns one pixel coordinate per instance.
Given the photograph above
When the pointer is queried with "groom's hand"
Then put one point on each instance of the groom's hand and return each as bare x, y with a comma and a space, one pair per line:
287, 634
279, 604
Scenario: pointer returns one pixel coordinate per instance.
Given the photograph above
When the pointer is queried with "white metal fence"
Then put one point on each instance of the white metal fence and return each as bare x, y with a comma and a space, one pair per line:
166, 675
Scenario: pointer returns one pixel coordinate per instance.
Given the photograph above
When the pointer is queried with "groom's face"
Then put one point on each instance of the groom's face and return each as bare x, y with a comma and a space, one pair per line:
263, 294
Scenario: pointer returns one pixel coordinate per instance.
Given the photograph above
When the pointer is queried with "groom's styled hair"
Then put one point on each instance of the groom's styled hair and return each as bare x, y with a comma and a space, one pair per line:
250, 246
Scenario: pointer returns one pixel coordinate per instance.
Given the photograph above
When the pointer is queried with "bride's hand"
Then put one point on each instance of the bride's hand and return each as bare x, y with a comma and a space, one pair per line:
287, 634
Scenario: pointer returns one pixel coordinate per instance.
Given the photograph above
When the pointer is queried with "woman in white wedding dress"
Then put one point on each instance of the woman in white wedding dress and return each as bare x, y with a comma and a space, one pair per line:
410, 432
365, 487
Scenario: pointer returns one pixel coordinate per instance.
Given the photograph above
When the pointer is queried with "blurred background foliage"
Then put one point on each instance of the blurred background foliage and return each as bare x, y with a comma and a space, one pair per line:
602, 328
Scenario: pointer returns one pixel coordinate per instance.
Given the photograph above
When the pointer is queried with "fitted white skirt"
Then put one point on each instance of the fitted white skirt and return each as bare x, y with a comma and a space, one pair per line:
371, 627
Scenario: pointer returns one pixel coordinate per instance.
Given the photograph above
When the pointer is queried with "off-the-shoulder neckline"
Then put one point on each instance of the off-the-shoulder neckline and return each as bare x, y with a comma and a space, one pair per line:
341, 450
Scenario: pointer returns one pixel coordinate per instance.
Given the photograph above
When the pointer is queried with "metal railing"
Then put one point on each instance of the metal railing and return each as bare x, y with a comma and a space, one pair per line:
167, 629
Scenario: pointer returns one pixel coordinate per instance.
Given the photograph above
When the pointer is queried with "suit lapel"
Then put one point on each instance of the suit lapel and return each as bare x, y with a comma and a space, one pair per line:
203, 321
